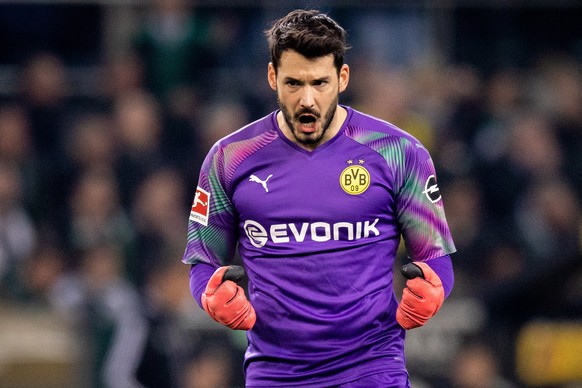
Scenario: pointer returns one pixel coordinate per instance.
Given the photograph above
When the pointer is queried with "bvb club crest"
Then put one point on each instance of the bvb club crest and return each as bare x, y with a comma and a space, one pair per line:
355, 179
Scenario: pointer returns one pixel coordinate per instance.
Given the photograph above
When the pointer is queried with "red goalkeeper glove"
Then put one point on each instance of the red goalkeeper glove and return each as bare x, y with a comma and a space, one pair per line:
226, 302
421, 298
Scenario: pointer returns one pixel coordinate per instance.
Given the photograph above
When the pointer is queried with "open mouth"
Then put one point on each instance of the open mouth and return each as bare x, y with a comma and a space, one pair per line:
307, 119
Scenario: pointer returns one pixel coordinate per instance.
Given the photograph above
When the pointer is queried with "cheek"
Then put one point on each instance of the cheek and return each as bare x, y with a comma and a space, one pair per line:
328, 101
285, 98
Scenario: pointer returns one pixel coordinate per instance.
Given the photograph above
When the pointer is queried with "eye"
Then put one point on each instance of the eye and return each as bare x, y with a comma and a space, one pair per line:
292, 83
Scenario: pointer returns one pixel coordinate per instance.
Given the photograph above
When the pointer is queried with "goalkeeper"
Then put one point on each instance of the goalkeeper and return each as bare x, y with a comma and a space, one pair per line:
316, 197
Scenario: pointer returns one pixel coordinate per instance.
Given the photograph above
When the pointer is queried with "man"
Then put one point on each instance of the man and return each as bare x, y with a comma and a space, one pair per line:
317, 196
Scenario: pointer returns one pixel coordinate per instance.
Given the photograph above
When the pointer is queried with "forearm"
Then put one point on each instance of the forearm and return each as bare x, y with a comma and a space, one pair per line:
443, 267
200, 273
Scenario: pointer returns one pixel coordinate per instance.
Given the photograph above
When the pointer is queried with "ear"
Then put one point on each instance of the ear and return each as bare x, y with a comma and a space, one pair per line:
344, 77
272, 76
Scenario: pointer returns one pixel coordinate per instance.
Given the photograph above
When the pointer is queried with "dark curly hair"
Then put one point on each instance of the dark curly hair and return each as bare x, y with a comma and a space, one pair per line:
310, 33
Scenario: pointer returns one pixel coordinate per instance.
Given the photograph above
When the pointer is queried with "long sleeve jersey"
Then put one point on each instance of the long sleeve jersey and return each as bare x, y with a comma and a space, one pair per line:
318, 232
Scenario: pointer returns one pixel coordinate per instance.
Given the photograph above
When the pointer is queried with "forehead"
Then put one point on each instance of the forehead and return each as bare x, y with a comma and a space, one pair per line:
294, 65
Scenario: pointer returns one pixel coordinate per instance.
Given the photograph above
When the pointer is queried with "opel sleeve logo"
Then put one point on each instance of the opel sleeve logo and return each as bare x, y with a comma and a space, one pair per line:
431, 189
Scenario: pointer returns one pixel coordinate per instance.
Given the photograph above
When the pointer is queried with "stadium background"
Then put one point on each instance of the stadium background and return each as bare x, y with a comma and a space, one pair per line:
107, 108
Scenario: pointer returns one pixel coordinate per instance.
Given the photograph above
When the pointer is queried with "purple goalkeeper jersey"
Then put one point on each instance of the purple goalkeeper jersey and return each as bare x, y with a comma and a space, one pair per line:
318, 232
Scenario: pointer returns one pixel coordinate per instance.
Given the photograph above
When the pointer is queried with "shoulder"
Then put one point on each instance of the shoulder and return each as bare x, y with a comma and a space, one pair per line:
256, 129
381, 135
228, 152
251, 137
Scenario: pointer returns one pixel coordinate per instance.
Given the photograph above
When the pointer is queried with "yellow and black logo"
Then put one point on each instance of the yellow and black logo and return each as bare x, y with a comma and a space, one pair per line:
355, 179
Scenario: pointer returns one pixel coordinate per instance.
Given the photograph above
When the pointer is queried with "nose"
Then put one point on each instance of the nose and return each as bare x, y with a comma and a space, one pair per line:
307, 97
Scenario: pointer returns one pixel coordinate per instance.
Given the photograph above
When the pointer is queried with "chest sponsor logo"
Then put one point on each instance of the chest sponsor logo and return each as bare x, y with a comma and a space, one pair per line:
431, 189
200, 207
316, 231
355, 179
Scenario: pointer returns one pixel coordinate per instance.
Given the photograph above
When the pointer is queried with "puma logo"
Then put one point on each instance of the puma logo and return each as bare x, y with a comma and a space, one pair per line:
263, 183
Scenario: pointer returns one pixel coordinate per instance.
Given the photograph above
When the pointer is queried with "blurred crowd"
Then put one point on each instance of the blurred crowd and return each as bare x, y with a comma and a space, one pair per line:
95, 194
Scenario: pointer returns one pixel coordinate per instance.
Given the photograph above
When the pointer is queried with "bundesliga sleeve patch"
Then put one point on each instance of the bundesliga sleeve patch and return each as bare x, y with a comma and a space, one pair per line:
200, 207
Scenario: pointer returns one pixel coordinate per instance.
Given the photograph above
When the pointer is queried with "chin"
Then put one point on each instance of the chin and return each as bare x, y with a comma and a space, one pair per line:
310, 140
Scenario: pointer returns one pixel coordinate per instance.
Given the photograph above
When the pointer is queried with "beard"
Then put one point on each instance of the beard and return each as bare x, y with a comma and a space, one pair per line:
293, 122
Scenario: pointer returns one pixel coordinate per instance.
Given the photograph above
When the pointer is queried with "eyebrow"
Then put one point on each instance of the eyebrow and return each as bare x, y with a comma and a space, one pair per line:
316, 80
